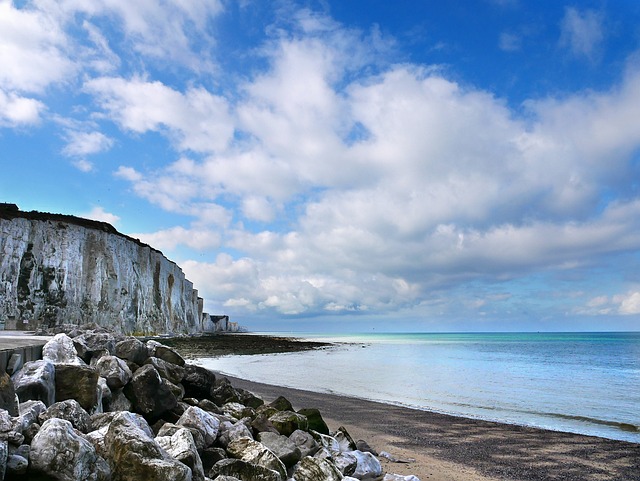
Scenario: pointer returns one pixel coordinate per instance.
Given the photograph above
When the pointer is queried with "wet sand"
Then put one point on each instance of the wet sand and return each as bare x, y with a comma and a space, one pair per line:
442, 447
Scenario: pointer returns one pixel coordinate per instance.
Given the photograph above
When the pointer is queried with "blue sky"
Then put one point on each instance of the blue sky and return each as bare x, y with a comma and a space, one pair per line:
410, 165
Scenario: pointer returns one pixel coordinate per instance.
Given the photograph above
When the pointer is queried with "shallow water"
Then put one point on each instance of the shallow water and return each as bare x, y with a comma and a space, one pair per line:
586, 383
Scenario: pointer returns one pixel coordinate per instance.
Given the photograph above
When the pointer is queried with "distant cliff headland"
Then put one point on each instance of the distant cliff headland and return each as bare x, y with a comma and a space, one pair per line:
59, 269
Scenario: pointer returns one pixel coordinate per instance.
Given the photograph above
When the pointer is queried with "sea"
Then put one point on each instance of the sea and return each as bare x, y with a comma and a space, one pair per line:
586, 383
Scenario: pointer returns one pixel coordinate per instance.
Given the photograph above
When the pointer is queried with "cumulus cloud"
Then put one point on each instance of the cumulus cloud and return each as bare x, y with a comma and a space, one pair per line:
18, 111
98, 213
198, 239
620, 304
442, 183
582, 32
196, 120
86, 143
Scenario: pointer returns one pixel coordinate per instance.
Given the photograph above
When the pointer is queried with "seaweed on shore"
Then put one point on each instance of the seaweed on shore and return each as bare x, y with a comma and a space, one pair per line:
239, 344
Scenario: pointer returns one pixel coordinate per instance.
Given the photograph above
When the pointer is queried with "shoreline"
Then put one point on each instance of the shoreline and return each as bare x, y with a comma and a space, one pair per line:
453, 448
445, 447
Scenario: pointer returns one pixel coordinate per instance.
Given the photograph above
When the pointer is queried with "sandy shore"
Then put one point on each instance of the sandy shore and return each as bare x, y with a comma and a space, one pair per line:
449, 448
442, 447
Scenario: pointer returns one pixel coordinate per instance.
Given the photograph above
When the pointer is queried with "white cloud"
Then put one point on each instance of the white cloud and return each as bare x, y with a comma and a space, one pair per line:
582, 32
33, 50
98, 213
86, 143
18, 111
83, 165
197, 120
169, 239
629, 303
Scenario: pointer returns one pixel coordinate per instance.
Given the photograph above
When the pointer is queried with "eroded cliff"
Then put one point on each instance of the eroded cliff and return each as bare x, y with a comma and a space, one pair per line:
57, 269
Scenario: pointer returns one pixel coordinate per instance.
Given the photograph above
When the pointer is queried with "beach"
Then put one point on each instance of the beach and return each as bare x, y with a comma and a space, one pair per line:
442, 447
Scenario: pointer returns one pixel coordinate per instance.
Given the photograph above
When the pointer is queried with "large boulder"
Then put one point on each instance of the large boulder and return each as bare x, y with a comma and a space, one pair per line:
315, 420
368, 466
257, 453
182, 447
155, 349
61, 349
314, 469
281, 446
17, 466
132, 349
118, 402
4, 453
346, 463
281, 403
94, 341
8, 399
171, 372
286, 422
60, 452
36, 381
197, 418
344, 439
305, 442
29, 414
79, 382
114, 370
198, 382
69, 410
233, 432
148, 394
134, 455
243, 470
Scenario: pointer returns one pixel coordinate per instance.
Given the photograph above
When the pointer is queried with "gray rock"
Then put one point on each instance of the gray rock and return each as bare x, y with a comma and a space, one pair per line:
6, 422
4, 453
27, 422
36, 381
328, 442
197, 418
346, 463
261, 424
114, 370
345, 440
249, 399
8, 398
169, 429
243, 470
156, 349
313, 469
281, 403
281, 446
286, 422
363, 446
134, 455
315, 420
60, 349
79, 382
211, 456
223, 393
148, 394
169, 371
305, 442
238, 411
257, 453
368, 466
94, 341
59, 451
69, 410
231, 433
118, 402
198, 382
176, 389
132, 349
182, 447
17, 465
15, 363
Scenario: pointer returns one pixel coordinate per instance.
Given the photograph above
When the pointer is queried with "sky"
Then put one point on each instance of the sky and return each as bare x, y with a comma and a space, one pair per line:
417, 165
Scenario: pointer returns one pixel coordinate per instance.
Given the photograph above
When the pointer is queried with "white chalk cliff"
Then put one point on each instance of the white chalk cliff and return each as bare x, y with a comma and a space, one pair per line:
57, 269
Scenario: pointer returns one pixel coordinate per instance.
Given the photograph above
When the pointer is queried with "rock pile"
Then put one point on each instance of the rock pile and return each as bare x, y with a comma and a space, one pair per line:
101, 406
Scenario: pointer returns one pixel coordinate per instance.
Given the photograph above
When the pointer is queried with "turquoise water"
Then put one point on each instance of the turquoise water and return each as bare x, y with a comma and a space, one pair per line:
586, 383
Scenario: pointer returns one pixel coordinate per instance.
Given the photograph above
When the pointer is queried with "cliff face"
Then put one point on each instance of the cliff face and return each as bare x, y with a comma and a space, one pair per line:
58, 269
